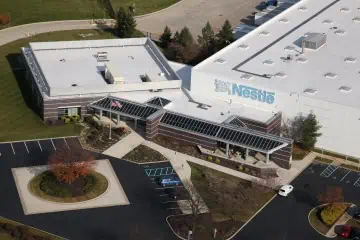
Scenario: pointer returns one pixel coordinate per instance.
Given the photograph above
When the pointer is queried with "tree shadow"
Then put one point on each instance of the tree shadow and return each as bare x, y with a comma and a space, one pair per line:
306, 197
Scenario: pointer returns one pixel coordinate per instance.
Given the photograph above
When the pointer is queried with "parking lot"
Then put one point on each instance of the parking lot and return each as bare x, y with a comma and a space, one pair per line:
166, 195
37, 150
342, 175
291, 213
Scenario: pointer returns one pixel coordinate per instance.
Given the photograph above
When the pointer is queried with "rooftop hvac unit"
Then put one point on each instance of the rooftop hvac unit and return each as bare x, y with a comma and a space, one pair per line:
313, 41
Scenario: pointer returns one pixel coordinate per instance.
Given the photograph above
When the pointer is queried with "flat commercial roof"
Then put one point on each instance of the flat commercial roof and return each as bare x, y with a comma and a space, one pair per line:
66, 64
330, 73
183, 102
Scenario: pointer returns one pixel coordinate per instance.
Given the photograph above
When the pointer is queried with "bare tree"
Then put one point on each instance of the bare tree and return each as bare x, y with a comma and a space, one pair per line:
332, 195
196, 203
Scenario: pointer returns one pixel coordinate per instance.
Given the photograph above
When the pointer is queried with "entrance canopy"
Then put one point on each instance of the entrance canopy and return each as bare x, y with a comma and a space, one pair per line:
234, 135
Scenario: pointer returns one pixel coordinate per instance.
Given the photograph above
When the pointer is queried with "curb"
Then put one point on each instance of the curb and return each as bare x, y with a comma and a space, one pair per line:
167, 221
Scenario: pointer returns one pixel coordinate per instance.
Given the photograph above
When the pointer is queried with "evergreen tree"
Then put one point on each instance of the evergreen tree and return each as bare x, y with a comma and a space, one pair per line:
225, 35
176, 37
311, 129
207, 38
126, 23
165, 38
185, 37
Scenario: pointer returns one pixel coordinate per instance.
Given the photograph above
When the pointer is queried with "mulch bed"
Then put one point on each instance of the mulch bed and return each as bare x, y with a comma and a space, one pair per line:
205, 227
143, 154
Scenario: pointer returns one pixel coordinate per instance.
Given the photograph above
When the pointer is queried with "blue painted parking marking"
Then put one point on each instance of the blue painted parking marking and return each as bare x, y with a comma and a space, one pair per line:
156, 172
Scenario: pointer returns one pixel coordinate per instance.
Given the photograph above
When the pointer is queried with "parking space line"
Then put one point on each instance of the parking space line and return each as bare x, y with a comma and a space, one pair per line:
66, 143
53, 144
328, 171
26, 147
12, 148
345, 176
169, 202
172, 208
357, 183
168, 187
40, 146
162, 195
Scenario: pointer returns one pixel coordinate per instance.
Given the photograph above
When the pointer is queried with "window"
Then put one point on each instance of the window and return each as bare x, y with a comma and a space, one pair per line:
71, 111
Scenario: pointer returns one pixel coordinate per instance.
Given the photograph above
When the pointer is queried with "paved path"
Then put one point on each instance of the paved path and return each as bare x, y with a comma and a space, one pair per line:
125, 145
337, 160
195, 14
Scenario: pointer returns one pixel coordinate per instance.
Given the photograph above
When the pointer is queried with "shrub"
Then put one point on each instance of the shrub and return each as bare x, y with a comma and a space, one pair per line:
217, 161
332, 212
16, 233
4, 19
67, 120
75, 118
240, 168
209, 158
247, 170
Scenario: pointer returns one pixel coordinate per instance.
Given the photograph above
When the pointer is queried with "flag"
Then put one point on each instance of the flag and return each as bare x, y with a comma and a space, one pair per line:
116, 104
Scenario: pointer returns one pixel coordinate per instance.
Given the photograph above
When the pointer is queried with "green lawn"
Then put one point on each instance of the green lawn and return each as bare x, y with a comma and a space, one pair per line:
29, 11
17, 120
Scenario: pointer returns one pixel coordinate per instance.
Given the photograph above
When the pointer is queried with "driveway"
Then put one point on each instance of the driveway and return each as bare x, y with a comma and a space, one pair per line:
195, 14
144, 218
287, 218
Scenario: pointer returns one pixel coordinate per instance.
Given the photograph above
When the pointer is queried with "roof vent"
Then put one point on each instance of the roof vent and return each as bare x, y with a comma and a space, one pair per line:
313, 41
350, 60
264, 33
345, 89
301, 60
280, 75
161, 74
311, 91
246, 77
340, 32
328, 21
268, 62
74, 85
284, 20
289, 48
330, 75
243, 46
220, 61
303, 9
345, 9
356, 19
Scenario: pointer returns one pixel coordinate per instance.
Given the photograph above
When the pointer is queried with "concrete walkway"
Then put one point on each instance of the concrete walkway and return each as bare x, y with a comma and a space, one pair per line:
337, 160
125, 145
341, 221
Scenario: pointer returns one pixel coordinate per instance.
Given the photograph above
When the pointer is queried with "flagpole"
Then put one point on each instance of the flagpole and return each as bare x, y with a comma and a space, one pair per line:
110, 121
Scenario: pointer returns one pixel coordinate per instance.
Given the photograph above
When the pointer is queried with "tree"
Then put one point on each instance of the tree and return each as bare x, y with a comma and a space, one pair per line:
311, 129
195, 203
185, 37
225, 35
126, 23
175, 52
334, 197
304, 130
68, 165
332, 194
165, 38
176, 37
207, 38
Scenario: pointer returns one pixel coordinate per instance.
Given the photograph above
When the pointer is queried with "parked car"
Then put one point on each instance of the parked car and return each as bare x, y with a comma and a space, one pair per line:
285, 190
356, 214
167, 181
349, 232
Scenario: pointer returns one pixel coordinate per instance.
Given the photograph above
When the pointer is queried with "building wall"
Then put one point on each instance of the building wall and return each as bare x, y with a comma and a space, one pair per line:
340, 124
273, 126
51, 105
283, 157
152, 126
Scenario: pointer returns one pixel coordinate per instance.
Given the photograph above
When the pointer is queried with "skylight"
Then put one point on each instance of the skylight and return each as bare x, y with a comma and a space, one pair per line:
246, 77
243, 46
344, 9
356, 19
311, 91
303, 9
284, 20
301, 60
268, 62
328, 21
265, 33
340, 32
220, 60
345, 89
330, 75
280, 75
350, 60
289, 48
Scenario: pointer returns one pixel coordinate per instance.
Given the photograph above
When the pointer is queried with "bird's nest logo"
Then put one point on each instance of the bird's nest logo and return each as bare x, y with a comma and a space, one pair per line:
222, 86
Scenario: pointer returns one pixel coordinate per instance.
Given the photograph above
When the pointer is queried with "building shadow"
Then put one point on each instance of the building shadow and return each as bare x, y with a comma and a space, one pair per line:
18, 68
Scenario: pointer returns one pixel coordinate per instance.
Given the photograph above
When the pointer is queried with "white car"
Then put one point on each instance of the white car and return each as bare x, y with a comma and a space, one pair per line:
285, 190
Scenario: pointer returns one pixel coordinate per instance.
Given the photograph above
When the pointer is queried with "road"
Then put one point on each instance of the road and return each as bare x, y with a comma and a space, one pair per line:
287, 218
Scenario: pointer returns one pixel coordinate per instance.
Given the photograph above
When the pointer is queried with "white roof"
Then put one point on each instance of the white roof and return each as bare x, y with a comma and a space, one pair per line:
333, 71
75, 62
218, 112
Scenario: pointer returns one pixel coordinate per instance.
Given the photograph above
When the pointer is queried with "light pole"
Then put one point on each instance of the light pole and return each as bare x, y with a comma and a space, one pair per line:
189, 235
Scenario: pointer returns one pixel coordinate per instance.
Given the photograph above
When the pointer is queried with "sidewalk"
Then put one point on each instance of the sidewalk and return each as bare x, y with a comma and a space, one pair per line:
341, 221
125, 145
336, 159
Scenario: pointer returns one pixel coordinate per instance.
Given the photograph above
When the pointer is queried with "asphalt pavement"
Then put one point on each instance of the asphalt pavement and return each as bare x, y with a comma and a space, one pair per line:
287, 218
144, 218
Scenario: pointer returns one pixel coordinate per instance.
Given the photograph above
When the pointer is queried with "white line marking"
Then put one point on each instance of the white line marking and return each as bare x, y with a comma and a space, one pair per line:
162, 195
26, 147
172, 208
168, 187
66, 143
345, 176
39, 139
82, 147
53, 144
39, 145
169, 202
12, 148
